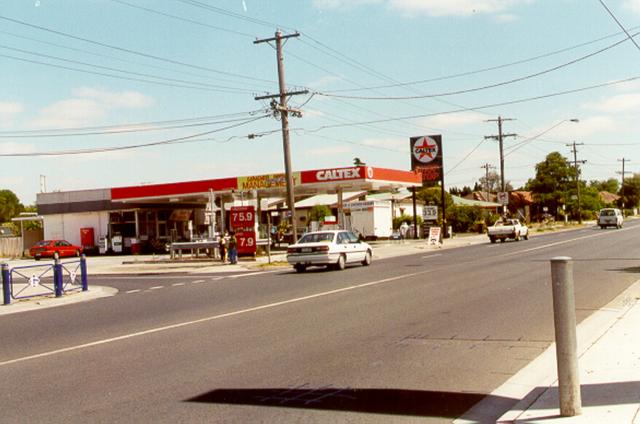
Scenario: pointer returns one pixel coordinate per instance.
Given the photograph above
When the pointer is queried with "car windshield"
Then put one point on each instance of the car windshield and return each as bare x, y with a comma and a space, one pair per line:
42, 243
317, 238
607, 212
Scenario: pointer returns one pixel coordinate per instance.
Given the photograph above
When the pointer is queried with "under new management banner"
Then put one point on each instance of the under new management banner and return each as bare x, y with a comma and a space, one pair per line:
426, 156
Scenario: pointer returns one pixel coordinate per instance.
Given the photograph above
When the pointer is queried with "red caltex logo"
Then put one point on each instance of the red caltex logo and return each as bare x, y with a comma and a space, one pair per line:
425, 149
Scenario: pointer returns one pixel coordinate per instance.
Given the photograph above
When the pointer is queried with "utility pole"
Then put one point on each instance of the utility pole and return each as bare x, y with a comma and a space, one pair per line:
486, 168
575, 165
284, 118
500, 137
623, 160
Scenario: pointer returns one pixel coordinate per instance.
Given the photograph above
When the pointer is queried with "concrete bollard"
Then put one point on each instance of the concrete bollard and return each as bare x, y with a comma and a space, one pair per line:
564, 319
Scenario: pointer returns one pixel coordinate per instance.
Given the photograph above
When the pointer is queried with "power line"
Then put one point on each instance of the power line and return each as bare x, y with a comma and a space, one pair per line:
130, 124
168, 15
221, 88
130, 51
487, 69
178, 140
235, 15
121, 77
484, 87
110, 57
121, 130
486, 106
619, 24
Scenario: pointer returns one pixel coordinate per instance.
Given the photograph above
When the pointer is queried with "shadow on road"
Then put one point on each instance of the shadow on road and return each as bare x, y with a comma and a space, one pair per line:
376, 401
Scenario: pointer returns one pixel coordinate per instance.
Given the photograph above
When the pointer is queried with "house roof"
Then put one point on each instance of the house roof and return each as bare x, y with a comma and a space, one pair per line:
461, 201
401, 194
328, 199
608, 197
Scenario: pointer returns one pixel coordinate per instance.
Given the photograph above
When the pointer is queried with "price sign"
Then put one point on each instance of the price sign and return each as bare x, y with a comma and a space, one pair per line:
243, 216
430, 213
246, 242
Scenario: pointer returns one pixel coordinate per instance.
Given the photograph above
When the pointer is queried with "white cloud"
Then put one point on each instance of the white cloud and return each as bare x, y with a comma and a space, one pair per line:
452, 7
435, 8
123, 99
387, 143
335, 4
616, 104
13, 148
633, 5
453, 120
88, 106
329, 151
69, 114
8, 110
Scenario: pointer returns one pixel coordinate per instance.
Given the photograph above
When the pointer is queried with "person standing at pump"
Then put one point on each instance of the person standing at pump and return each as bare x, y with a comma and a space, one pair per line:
233, 248
222, 242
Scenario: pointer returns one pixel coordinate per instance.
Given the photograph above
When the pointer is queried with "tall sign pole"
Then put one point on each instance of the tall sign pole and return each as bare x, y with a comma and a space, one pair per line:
284, 119
426, 158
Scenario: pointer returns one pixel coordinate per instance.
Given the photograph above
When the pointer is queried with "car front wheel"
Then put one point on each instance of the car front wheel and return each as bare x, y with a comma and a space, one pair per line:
342, 262
300, 268
367, 258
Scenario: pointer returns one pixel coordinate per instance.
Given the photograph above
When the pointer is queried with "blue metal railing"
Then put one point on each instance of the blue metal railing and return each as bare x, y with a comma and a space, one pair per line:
43, 280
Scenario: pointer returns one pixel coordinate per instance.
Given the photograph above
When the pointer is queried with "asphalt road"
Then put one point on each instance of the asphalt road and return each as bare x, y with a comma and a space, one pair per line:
408, 339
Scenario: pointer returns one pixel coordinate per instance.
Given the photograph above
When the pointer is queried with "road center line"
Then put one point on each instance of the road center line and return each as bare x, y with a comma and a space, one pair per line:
557, 243
177, 284
207, 319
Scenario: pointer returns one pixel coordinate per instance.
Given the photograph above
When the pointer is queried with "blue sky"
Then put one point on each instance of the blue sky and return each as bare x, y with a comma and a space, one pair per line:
103, 74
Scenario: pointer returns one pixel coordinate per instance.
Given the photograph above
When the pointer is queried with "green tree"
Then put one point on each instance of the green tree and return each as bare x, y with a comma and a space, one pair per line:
10, 206
612, 185
630, 192
318, 212
554, 182
491, 182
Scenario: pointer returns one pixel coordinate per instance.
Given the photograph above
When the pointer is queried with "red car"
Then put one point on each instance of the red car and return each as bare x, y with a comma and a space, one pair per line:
48, 248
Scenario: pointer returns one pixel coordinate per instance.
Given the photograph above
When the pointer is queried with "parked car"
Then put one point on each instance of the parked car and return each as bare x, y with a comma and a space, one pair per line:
506, 229
330, 248
610, 217
48, 249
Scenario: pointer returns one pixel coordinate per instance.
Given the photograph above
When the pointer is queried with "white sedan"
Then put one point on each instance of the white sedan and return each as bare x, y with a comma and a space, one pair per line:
331, 248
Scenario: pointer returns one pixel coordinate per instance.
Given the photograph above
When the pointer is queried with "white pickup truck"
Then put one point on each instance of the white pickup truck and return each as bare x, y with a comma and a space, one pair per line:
506, 229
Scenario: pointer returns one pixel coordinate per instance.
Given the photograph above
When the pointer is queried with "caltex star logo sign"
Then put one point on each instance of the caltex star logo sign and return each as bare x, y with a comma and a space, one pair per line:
425, 149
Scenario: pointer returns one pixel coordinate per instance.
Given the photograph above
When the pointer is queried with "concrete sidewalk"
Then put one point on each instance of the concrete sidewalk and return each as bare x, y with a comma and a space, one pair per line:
609, 368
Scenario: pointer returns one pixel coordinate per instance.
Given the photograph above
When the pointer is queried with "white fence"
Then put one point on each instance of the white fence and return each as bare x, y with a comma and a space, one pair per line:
10, 247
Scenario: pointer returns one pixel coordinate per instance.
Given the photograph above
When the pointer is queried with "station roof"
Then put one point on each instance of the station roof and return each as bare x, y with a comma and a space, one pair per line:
306, 183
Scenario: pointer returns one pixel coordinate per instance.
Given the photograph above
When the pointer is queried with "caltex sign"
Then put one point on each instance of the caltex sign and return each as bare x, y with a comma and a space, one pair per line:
426, 156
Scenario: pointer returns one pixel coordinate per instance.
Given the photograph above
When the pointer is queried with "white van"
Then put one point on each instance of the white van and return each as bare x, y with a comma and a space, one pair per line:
610, 217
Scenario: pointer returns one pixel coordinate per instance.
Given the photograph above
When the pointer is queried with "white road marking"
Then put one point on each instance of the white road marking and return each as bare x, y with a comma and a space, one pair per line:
432, 256
207, 319
557, 243
177, 284
133, 291
156, 287
197, 281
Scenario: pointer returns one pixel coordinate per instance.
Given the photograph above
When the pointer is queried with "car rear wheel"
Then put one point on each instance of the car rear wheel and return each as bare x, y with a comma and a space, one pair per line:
493, 239
342, 262
367, 258
517, 237
526, 236
77, 253
300, 268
